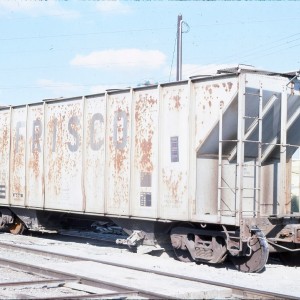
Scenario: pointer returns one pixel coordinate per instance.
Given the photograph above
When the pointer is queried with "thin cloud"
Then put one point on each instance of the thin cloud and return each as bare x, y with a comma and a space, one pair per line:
113, 7
37, 8
59, 89
192, 70
189, 70
97, 89
123, 58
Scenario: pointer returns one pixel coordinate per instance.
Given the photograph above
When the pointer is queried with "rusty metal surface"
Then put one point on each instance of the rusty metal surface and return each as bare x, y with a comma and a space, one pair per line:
35, 156
118, 153
4, 155
94, 144
145, 170
63, 155
209, 96
17, 157
150, 152
175, 152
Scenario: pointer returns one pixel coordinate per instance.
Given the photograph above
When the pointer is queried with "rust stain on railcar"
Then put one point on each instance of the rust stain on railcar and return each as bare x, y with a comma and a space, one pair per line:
208, 96
34, 162
64, 144
120, 155
55, 141
174, 182
119, 138
18, 154
144, 132
175, 100
4, 140
18, 163
227, 86
212, 89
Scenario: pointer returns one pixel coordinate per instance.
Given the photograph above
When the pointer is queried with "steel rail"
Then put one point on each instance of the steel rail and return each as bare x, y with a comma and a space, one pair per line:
36, 282
235, 288
119, 288
63, 281
92, 296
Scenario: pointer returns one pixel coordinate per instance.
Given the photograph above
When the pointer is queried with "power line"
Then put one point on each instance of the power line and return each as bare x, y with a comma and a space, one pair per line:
139, 30
259, 51
173, 55
83, 34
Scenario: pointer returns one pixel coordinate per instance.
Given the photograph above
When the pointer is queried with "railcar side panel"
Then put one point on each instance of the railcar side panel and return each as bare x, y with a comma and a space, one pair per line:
35, 156
4, 155
128, 153
212, 99
63, 155
118, 153
17, 157
174, 141
145, 151
94, 144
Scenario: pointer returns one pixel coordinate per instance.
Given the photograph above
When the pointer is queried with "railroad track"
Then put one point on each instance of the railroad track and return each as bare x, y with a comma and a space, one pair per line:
117, 290
92, 288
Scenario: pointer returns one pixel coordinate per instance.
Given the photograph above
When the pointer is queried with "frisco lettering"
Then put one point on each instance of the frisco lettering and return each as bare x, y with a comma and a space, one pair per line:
120, 124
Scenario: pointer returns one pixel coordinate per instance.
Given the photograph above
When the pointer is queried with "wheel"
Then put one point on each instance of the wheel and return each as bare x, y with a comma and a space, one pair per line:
17, 227
258, 257
180, 249
183, 255
291, 259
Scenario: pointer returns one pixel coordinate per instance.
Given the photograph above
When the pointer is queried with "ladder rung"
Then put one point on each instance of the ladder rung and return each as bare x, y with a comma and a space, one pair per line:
227, 188
252, 94
233, 141
251, 141
249, 117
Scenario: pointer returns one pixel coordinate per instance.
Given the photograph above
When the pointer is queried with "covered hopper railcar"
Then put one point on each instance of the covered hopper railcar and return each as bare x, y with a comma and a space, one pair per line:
205, 164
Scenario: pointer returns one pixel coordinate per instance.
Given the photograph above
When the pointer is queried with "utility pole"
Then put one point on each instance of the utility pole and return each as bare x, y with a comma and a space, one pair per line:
179, 48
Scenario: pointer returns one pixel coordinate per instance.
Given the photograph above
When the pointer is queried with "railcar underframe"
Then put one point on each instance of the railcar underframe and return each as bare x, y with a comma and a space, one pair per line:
204, 165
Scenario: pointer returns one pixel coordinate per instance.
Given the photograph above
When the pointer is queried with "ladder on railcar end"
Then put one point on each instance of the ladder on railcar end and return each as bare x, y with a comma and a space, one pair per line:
242, 139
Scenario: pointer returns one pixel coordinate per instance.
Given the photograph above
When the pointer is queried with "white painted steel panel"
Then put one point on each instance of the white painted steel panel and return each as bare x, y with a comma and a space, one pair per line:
35, 156
207, 189
152, 152
17, 158
174, 152
63, 155
94, 154
145, 150
4, 155
209, 96
118, 153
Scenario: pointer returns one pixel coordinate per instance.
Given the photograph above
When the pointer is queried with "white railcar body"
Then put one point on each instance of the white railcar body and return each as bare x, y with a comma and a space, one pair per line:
214, 149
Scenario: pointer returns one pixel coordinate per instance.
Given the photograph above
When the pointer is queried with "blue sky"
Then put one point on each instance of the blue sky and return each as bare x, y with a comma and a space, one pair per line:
53, 49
